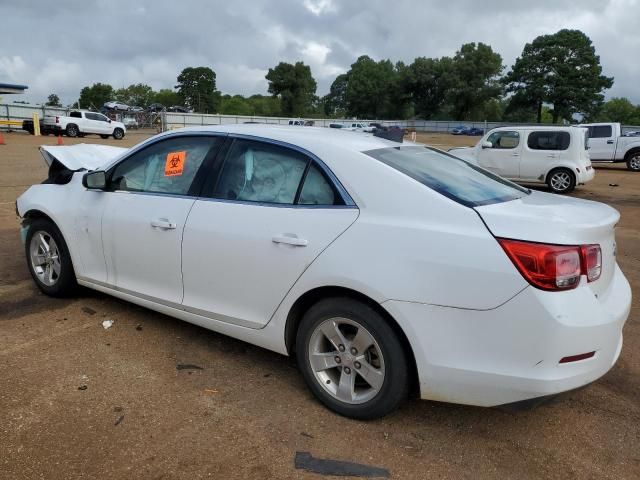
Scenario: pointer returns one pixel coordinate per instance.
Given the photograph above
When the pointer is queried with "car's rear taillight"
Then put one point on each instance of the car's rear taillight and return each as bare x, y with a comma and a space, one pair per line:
554, 267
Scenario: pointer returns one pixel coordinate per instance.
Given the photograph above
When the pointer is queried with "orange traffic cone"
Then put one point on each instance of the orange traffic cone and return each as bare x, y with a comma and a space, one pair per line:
2, 140
59, 140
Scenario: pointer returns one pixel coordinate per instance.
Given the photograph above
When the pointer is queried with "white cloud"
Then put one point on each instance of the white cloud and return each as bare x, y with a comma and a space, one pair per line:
318, 7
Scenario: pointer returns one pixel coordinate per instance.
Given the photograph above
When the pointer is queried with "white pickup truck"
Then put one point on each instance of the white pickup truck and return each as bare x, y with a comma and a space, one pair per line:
606, 144
81, 123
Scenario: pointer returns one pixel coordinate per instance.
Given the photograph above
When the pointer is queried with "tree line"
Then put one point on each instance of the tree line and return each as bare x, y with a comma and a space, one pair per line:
558, 77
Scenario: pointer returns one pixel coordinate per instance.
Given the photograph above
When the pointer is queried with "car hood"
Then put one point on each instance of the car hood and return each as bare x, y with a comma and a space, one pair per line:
82, 156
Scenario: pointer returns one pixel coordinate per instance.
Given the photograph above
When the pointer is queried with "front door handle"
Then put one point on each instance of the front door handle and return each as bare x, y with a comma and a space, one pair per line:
551, 155
515, 154
163, 224
290, 239
609, 142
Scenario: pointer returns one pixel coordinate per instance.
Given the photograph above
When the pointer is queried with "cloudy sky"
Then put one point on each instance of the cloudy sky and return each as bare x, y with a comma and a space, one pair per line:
61, 48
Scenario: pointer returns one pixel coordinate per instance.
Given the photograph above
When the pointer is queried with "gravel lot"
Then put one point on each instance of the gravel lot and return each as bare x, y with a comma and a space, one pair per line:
246, 412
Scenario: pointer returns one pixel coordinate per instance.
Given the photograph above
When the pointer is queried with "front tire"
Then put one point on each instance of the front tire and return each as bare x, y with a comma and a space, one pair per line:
48, 259
118, 134
633, 162
561, 180
351, 359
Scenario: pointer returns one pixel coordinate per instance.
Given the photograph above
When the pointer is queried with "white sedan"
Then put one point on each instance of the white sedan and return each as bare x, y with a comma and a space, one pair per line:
385, 268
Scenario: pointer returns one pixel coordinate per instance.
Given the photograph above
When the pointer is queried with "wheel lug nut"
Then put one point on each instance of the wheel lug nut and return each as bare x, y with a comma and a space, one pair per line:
357, 365
337, 359
354, 351
347, 370
341, 347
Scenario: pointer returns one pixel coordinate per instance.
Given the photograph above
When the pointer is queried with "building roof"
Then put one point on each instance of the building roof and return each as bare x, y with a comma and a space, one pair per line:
12, 88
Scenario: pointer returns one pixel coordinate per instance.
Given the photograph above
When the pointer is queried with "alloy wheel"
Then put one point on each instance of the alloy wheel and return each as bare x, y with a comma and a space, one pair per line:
346, 360
45, 258
560, 181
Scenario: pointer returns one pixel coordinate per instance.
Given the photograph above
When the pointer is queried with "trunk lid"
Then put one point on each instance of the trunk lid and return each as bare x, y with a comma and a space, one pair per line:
547, 218
82, 156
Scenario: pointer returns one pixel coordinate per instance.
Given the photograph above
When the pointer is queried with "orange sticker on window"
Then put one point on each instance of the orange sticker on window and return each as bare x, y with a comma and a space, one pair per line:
174, 165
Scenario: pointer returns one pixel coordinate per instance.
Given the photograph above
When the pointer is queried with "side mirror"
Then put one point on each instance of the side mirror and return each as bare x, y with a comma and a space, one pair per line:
96, 180
109, 120
487, 145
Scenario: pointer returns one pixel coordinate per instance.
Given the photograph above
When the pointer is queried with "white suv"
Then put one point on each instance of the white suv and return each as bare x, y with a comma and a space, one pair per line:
557, 156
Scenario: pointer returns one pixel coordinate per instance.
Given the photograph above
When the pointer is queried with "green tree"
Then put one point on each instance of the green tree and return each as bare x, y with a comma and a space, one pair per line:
139, 94
372, 89
167, 97
562, 70
53, 101
265, 105
476, 70
619, 110
95, 96
335, 102
295, 86
197, 86
235, 105
428, 81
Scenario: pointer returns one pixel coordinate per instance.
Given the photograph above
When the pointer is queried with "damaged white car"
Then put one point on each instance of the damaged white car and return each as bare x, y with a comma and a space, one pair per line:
386, 268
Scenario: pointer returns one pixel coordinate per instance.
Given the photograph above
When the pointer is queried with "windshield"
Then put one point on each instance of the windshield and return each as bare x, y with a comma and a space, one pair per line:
452, 177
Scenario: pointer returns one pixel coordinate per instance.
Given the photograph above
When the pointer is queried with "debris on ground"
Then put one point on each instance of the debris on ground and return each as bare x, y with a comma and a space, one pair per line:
188, 366
305, 461
107, 324
88, 311
117, 409
305, 434
139, 327
120, 418
82, 387
614, 185
210, 391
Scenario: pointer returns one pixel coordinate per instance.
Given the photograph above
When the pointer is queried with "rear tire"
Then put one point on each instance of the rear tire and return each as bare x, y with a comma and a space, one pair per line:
561, 180
72, 131
633, 161
366, 371
118, 134
48, 259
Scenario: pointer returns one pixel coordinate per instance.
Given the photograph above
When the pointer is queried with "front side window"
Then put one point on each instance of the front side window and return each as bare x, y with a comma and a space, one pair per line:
549, 140
168, 166
504, 140
448, 175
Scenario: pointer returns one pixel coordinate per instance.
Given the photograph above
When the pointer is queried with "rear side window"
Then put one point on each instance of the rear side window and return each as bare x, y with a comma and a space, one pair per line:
75, 115
549, 140
448, 175
600, 131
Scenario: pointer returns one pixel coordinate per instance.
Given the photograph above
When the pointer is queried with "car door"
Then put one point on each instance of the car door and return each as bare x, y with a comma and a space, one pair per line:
544, 150
149, 198
103, 124
92, 123
268, 214
500, 153
602, 143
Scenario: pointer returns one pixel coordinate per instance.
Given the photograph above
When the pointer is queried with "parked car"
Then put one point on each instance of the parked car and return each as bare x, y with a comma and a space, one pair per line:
130, 122
82, 122
474, 132
459, 130
360, 127
299, 123
494, 294
179, 109
557, 156
156, 107
336, 125
116, 106
136, 109
608, 145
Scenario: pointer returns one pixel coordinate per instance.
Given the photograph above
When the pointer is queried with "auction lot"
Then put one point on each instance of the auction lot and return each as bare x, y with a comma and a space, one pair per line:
165, 399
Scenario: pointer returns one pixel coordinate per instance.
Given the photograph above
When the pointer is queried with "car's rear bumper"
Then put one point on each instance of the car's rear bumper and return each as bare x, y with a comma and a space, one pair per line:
512, 353
585, 176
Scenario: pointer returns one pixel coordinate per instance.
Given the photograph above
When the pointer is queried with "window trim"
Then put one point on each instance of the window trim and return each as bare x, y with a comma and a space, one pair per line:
542, 130
517, 132
216, 172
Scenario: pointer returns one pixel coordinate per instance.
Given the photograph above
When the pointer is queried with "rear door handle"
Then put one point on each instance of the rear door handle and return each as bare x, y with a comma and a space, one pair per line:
163, 224
609, 142
290, 239
515, 154
551, 155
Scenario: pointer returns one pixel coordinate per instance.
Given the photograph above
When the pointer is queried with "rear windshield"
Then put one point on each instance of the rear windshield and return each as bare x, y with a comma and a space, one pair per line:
454, 178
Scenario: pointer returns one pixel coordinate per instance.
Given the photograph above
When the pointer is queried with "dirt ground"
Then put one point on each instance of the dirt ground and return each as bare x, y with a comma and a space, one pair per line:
246, 413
